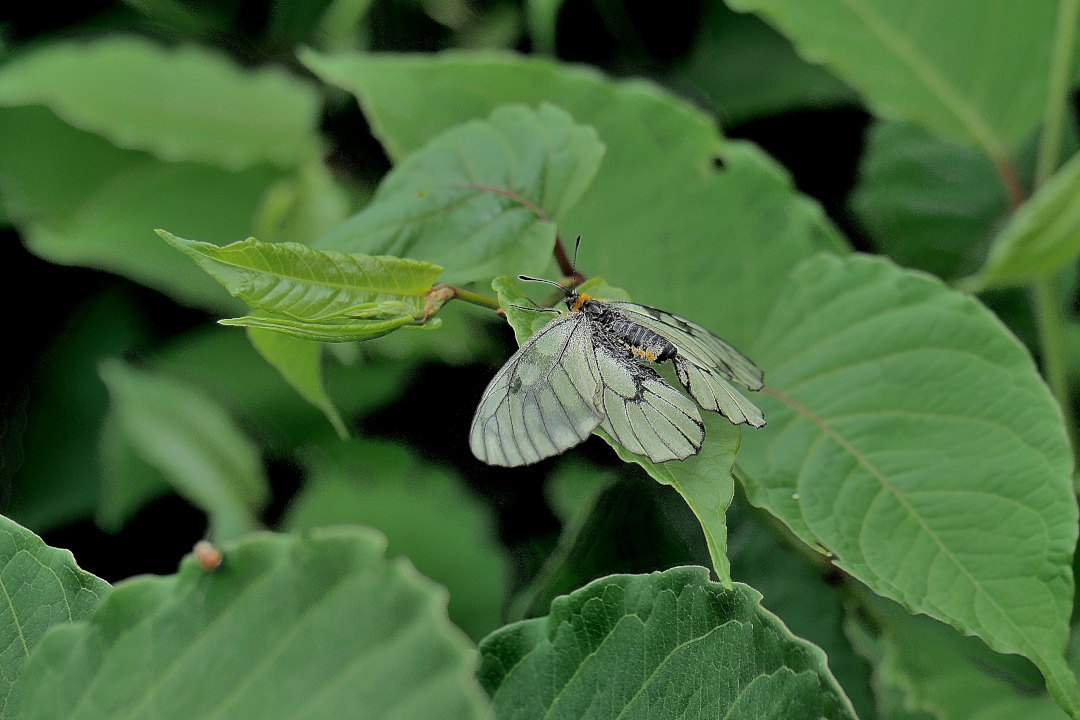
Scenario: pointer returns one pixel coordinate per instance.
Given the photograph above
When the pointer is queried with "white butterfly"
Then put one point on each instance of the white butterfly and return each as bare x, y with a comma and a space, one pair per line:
584, 370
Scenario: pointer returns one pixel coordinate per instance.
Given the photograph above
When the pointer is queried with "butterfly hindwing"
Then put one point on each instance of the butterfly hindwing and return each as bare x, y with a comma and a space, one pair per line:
544, 400
642, 412
705, 365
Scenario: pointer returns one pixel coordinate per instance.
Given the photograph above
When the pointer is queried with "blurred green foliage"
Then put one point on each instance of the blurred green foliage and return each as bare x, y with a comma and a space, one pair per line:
337, 174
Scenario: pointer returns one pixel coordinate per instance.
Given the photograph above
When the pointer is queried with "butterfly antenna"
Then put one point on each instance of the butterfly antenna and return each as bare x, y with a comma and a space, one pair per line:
576, 277
542, 280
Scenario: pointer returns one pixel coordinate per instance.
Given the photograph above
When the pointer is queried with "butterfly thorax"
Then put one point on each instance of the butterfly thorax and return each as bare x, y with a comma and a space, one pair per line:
642, 343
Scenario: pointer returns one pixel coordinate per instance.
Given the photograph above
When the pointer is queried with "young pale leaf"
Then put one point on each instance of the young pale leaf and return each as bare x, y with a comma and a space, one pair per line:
927, 203
911, 437
481, 199
708, 232
300, 362
1042, 237
42, 587
704, 480
926, 61
326, 612
322, 295
670, 645
181, 103
428, 515
192, 442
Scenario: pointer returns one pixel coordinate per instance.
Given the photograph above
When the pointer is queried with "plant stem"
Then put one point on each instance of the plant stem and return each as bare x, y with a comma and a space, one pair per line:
476, 299
1051, 328
441, 294
1046, 291
1061, 67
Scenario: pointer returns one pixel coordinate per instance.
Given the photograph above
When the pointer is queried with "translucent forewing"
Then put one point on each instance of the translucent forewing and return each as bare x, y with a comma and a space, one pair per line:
544, 400
643, 412
705, 364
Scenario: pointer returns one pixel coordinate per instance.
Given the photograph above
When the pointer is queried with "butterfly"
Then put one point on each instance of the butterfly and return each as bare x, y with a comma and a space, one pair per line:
587, 369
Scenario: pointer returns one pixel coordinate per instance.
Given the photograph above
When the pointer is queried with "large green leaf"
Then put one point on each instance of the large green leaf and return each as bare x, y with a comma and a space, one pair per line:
804, 594
181, 103
313, 294
662, 218
670, 645
911, 437
319, 626
928, 666
749, 70
481, 199
969, 72
426, 513
927, 203
704, 480
300, 362
192, 442
1042, 237
37, 173
42, 587
57, 481
113, 230
78, 200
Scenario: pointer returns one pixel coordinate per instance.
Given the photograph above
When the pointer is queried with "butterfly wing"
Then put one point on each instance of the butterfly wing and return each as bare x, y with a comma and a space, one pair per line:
705, 365
544, 400
643, 412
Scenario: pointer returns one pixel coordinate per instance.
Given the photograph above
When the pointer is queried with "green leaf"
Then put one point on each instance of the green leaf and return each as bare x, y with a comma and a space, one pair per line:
39, 179
925, 202
193, 442
1043, 235
541, 17
223, 361
181, 103
927, 62
930, 667
111, 231
807, 596
481, 199
364, 637
748, 70
711, 243
180, 18
911, 437
704, 480
669, 645
302, 206
321, 295
426, 512
128, 481
80, 201
42, 587
57, 481
377, 321
300, 362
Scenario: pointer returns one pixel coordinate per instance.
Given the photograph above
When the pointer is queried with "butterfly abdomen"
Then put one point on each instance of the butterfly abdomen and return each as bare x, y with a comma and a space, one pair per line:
642, 342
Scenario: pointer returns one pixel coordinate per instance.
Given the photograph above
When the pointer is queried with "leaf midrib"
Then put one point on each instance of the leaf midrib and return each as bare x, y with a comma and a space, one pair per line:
925, 71
886, 485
